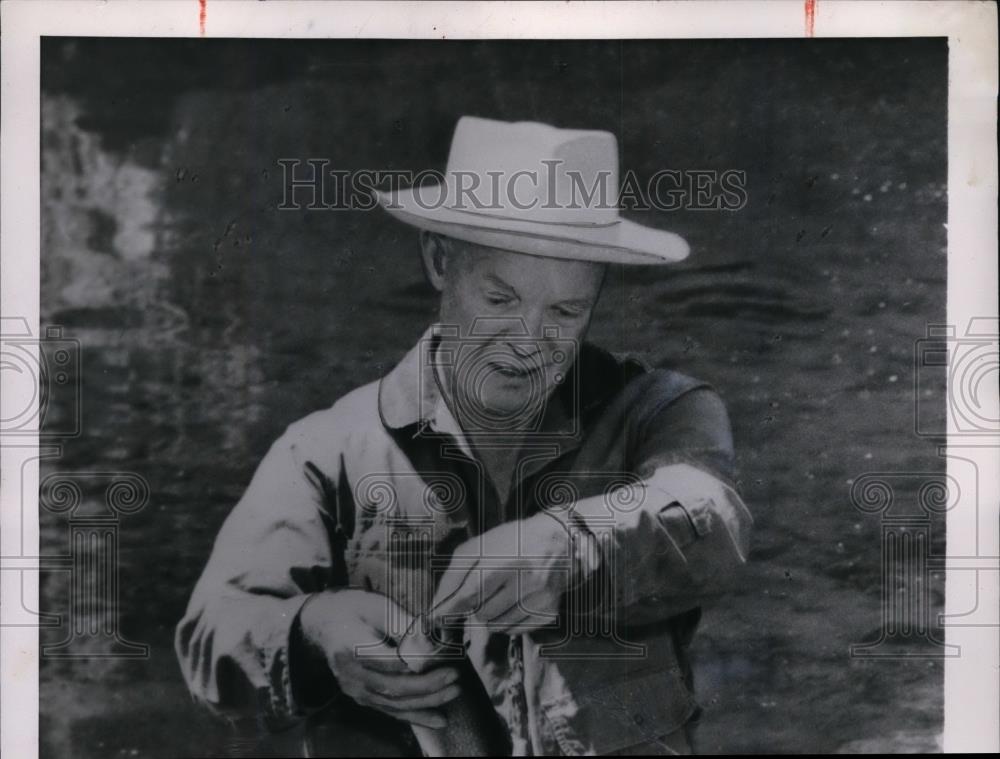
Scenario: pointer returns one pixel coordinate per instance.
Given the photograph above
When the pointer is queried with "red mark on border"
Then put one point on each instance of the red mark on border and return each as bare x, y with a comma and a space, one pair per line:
810, 17
202, 12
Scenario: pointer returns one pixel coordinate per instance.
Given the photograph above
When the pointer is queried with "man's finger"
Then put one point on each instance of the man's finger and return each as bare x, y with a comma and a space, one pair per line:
507, 624
411, 684
416, 703
426, 717
458, 592
380, 657
527, 624
479, 590
500, 595
518, 612
503, 594
391, 621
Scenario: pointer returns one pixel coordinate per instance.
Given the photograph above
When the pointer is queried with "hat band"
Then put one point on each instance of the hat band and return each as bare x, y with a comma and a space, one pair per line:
526, 219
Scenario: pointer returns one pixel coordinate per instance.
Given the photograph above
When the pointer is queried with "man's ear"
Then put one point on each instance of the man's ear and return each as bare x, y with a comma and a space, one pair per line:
434, 253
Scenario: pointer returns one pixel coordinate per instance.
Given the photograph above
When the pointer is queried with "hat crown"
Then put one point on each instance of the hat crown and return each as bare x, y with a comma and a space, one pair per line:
533, 171
536, 189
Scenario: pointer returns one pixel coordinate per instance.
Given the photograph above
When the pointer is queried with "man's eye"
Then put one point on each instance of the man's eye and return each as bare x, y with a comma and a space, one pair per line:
498, 300
569, 313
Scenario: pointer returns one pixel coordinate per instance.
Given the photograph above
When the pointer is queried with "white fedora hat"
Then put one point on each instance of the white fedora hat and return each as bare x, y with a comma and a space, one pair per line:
533, 188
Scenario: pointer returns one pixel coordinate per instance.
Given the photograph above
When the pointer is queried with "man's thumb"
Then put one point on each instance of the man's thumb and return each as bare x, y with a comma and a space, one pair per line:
387, 617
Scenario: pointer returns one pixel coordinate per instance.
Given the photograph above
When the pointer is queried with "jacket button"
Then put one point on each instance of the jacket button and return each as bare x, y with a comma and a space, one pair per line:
638, 719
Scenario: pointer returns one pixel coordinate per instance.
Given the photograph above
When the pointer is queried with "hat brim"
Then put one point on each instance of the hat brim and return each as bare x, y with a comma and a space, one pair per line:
622, 242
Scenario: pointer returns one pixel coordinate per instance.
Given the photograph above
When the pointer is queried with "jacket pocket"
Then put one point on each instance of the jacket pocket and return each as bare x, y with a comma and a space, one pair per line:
606, 719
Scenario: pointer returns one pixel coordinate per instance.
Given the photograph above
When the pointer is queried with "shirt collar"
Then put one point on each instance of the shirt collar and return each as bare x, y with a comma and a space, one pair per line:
409, 393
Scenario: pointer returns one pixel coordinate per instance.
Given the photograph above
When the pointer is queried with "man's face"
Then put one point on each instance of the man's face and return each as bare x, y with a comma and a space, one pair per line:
520, 320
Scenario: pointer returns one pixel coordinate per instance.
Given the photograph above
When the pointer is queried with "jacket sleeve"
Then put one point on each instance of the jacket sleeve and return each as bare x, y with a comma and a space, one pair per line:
677, 534
237, 641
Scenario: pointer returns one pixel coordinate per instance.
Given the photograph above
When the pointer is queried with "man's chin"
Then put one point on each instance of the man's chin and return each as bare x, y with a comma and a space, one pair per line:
508, 413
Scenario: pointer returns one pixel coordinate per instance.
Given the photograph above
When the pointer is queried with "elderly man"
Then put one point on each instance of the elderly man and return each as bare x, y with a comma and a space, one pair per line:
503, 545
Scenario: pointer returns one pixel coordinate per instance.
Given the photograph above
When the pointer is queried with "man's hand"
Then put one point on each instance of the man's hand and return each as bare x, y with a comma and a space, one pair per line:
349, 626
513, 577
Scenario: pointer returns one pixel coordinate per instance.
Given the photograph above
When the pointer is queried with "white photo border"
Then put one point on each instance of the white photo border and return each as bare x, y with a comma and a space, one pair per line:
972, 680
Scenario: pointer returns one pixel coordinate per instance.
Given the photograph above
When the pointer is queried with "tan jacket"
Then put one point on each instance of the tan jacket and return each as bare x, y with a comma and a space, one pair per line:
646, 459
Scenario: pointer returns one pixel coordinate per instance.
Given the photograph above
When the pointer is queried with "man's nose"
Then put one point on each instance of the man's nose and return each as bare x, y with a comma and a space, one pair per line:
530, 343
533, 326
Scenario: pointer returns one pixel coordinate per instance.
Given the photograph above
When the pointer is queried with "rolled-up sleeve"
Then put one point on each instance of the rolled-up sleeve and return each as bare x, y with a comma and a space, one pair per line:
235, 641
677, 535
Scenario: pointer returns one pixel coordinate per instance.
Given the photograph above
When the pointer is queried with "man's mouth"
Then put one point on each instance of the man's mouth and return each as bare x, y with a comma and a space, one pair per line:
516, 370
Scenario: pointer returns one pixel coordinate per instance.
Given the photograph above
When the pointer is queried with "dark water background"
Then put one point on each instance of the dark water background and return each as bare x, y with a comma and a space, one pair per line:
209, 320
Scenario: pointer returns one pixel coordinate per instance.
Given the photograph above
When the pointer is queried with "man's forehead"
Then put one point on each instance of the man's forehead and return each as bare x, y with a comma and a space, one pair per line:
513, 268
